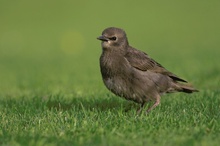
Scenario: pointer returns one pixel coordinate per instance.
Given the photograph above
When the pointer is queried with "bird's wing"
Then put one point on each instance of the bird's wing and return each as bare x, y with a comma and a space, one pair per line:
143, 62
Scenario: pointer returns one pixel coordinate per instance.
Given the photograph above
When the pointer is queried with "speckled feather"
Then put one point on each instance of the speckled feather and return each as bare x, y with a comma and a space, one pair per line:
132, 74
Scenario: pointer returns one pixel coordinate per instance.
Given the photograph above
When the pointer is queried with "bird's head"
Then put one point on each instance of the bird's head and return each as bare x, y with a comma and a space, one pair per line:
113, 38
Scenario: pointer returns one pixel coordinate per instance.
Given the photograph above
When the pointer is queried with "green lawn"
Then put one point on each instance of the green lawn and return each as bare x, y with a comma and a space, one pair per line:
51, 91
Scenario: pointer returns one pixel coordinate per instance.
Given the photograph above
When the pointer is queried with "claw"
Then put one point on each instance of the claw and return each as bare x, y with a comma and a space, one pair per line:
140, 108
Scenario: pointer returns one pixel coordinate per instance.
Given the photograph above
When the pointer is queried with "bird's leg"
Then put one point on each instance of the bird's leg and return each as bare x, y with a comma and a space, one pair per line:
140, 108
157, 102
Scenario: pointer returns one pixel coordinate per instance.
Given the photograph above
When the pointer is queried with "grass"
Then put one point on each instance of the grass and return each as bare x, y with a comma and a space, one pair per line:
51, 91
75, 120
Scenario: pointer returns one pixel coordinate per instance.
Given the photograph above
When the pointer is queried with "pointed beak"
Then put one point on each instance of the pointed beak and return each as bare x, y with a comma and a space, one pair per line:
102, 38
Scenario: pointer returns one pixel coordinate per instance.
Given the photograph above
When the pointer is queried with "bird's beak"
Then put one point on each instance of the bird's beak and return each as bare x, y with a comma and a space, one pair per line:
102, 38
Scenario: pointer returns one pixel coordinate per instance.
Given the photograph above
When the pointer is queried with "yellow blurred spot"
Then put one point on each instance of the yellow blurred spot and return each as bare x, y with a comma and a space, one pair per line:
72, 42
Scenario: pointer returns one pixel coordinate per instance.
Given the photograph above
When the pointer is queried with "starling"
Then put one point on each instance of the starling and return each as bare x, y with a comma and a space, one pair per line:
132, 74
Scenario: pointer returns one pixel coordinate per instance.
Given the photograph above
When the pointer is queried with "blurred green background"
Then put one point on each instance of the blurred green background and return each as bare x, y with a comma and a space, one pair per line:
50, 46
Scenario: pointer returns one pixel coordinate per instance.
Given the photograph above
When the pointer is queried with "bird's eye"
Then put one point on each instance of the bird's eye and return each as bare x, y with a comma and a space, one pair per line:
113, 38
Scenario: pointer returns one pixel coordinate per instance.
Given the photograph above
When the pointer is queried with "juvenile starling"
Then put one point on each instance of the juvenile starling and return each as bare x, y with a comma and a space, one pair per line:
132, 74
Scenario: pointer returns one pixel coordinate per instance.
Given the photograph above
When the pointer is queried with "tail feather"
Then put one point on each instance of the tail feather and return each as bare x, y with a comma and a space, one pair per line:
186, 88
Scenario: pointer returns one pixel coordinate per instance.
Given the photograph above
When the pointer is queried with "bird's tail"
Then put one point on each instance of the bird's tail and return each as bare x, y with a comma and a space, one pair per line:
187, 88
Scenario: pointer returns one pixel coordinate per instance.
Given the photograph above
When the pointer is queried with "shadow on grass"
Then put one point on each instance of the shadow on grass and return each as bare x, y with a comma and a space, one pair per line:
62, 103
89, 104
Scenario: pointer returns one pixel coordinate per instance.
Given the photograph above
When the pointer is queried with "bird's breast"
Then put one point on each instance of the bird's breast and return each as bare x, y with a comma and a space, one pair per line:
112, 64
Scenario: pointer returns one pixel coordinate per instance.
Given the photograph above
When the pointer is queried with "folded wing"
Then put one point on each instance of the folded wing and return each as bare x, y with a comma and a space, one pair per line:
143, 62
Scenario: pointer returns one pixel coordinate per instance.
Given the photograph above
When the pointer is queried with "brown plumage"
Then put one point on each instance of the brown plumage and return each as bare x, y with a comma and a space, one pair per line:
132, 74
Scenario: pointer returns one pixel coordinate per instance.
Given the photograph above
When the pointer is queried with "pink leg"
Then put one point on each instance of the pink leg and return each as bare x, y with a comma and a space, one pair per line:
157, 102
